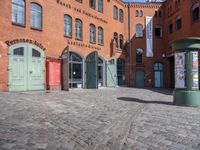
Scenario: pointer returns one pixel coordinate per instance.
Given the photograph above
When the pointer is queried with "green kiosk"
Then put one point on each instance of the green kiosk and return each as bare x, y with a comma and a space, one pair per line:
186, 55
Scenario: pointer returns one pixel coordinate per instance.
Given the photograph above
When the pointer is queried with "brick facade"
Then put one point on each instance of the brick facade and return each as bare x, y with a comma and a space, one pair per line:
51, 38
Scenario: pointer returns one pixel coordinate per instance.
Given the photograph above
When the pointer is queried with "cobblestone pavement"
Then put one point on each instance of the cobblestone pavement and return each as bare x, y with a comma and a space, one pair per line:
104, 119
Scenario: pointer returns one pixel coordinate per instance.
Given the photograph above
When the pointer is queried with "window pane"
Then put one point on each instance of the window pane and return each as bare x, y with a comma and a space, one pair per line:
121, 41
35, 53
116, 39
121, 16
139, 53
92, 3
139, 32
115, 11
67, 25
100, 36
92, 34
100, 5
19, 51
78, 29
18, 11
36, 16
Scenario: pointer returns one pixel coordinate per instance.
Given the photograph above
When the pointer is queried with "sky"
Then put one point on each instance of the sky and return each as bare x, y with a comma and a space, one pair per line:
135, 0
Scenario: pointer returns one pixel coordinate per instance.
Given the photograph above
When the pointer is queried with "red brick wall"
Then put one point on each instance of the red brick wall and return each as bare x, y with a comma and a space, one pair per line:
148, 62
52, 34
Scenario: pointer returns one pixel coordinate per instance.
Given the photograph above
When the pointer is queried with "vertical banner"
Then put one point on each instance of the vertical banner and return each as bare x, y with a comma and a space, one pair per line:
180, 70
149, 36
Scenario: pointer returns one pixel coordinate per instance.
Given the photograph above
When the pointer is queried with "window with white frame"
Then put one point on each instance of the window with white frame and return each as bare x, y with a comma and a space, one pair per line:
18, 12
36, 16
139, 30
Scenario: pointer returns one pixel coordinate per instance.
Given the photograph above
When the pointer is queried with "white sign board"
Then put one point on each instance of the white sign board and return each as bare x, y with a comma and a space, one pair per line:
149, 36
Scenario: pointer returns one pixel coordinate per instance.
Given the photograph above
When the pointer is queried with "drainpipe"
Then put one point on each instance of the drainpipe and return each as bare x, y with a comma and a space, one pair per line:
129, 39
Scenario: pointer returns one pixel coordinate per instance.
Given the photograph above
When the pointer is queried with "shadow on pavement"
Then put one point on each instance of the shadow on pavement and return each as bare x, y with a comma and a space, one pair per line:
143, 101
161, 91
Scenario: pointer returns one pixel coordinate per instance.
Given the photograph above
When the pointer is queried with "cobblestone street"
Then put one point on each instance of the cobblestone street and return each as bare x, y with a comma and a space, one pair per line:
104, 119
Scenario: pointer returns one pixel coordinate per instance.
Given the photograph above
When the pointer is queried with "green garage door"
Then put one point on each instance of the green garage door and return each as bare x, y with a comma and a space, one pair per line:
112, 72
91, 70
26, 68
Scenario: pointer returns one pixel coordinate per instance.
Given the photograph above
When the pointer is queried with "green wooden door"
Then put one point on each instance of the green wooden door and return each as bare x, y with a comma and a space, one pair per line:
18, 68
139, 78
112, 72
35, 68
26, 68
91, 70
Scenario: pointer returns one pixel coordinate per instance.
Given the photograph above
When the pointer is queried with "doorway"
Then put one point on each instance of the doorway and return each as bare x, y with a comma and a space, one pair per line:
140, 78
26, 68
75, 70
158, 75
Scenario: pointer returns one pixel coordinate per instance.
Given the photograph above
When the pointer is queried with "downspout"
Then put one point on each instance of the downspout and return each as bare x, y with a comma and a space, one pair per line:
129, 39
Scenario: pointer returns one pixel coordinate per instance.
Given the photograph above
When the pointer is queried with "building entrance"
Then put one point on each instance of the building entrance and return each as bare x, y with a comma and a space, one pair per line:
26, 68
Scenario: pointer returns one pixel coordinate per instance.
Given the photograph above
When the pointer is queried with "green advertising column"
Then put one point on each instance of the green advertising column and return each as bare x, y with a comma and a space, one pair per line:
186, 91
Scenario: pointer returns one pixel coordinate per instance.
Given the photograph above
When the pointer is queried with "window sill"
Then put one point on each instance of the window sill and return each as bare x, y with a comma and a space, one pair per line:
18, 24
119, 49
100, 12
101, 44
78, 39
93, 8
139, 37
36, 29
92, 42
158, 37
70, 37
79, 1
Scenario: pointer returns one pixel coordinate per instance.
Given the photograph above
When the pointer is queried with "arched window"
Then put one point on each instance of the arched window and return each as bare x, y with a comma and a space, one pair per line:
92, 33
100, 35
116, 39
121, 15
136, 13
18, 11
79, 33
68, 25
36, 16
178, 23
100, 6
115, 13
121, 41
141, 13
139, 30
93, 4
158, 31
139, 53
195, 12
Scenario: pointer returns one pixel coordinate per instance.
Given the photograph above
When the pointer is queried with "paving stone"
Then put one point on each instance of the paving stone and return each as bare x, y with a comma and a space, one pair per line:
104, 119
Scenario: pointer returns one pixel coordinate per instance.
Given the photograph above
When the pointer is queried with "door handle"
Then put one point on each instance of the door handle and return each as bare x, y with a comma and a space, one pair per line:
31, 72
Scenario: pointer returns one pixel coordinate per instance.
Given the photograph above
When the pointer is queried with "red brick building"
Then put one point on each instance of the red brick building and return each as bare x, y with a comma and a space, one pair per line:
104, 47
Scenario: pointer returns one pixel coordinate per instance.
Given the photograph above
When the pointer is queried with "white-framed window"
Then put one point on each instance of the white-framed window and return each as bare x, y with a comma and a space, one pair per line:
67, 25
79, 28
18, 12
139, 30
36, 16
